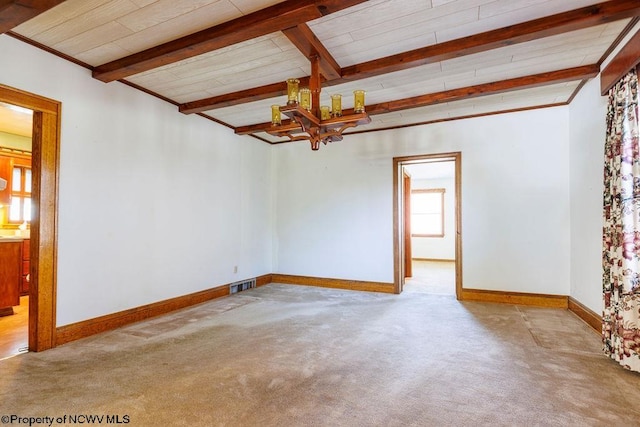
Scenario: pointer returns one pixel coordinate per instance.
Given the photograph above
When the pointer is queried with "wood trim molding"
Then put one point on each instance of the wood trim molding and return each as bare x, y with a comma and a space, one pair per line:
519, 298
86, 328
44, 245
264, 280
590, 317
6, 311
627, 59
352, 285
75, 331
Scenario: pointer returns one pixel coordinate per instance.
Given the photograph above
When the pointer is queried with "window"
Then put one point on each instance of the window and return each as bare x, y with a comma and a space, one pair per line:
20, 208
427, 212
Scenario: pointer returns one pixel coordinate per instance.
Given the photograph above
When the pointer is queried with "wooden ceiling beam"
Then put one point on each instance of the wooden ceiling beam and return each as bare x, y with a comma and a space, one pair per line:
237, 98
307, 43
15, 12
493, 88
577, 19
518, 83
278, 17
627, 59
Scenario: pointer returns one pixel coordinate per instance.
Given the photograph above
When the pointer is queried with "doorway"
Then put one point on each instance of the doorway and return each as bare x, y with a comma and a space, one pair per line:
44, 199
16, 128
428, 236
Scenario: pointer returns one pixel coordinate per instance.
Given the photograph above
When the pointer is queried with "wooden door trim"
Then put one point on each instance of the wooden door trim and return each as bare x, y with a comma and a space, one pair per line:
398, 268
45, 165
406, 182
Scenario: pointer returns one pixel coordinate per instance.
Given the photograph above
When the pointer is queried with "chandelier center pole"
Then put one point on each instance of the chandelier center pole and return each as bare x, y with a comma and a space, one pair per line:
314, 85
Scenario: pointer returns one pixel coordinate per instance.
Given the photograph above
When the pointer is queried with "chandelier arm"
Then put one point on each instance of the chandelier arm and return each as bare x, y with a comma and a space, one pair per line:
337, 133
299, 138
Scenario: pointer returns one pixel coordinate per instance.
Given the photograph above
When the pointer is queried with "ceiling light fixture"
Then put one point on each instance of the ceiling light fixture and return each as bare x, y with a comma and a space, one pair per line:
309, 120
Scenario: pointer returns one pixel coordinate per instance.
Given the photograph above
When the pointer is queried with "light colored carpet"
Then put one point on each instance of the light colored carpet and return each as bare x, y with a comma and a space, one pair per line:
284, 355
432, 277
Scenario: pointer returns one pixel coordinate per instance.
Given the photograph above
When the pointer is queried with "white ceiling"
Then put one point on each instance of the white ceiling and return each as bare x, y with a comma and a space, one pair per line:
96, 32
15, 120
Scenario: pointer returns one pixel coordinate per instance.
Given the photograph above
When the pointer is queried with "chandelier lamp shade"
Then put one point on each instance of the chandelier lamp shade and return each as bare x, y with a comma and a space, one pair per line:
312, 121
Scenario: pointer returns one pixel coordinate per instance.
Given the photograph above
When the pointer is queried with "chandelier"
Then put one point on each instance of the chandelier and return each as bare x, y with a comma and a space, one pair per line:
311, 121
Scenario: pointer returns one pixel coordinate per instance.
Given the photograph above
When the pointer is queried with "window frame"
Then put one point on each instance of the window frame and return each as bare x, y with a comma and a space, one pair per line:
442, 192
22, 161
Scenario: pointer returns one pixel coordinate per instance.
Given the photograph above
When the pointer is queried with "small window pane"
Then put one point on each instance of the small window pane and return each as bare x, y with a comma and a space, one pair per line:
427, 224
427, 212
27, 180
16, 182
14, 209
27, 209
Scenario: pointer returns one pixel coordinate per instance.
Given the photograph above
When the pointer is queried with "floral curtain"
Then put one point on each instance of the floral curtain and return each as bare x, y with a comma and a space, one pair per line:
621, 231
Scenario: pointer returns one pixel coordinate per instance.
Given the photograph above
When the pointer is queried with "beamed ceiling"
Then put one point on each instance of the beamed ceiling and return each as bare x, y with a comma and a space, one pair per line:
420, 61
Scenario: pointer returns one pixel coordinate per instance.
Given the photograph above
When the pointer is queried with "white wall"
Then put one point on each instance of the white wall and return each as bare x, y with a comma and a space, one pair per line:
438, 247
334, 206
588, 131
153, 204
588, 128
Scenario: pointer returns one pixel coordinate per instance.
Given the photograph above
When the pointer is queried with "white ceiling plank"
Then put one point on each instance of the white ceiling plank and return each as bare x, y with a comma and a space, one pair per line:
516, 15
58, 15
74, 27
250, 6
163, 11
102, 54
180, 26
91, 39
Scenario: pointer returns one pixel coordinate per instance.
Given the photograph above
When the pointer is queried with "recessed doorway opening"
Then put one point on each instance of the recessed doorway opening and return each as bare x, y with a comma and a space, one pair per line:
16, 132
427, 224
44, 212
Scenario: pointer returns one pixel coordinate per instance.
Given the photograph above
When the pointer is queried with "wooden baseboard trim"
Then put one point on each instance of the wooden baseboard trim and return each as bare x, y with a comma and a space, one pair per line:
7, 311
75, 331
589, 316
86, 328
520, 298
264, 280
353, 285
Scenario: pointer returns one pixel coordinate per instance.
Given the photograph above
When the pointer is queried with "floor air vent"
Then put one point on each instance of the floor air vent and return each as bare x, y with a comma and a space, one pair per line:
234, 288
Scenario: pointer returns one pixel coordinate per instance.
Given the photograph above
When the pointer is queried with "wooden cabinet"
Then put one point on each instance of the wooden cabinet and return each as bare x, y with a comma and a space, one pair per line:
10, 273
6, 167
26, 277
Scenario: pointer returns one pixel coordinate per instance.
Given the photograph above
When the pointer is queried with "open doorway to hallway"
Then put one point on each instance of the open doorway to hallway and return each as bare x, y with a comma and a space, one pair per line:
428, 246
431, 227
